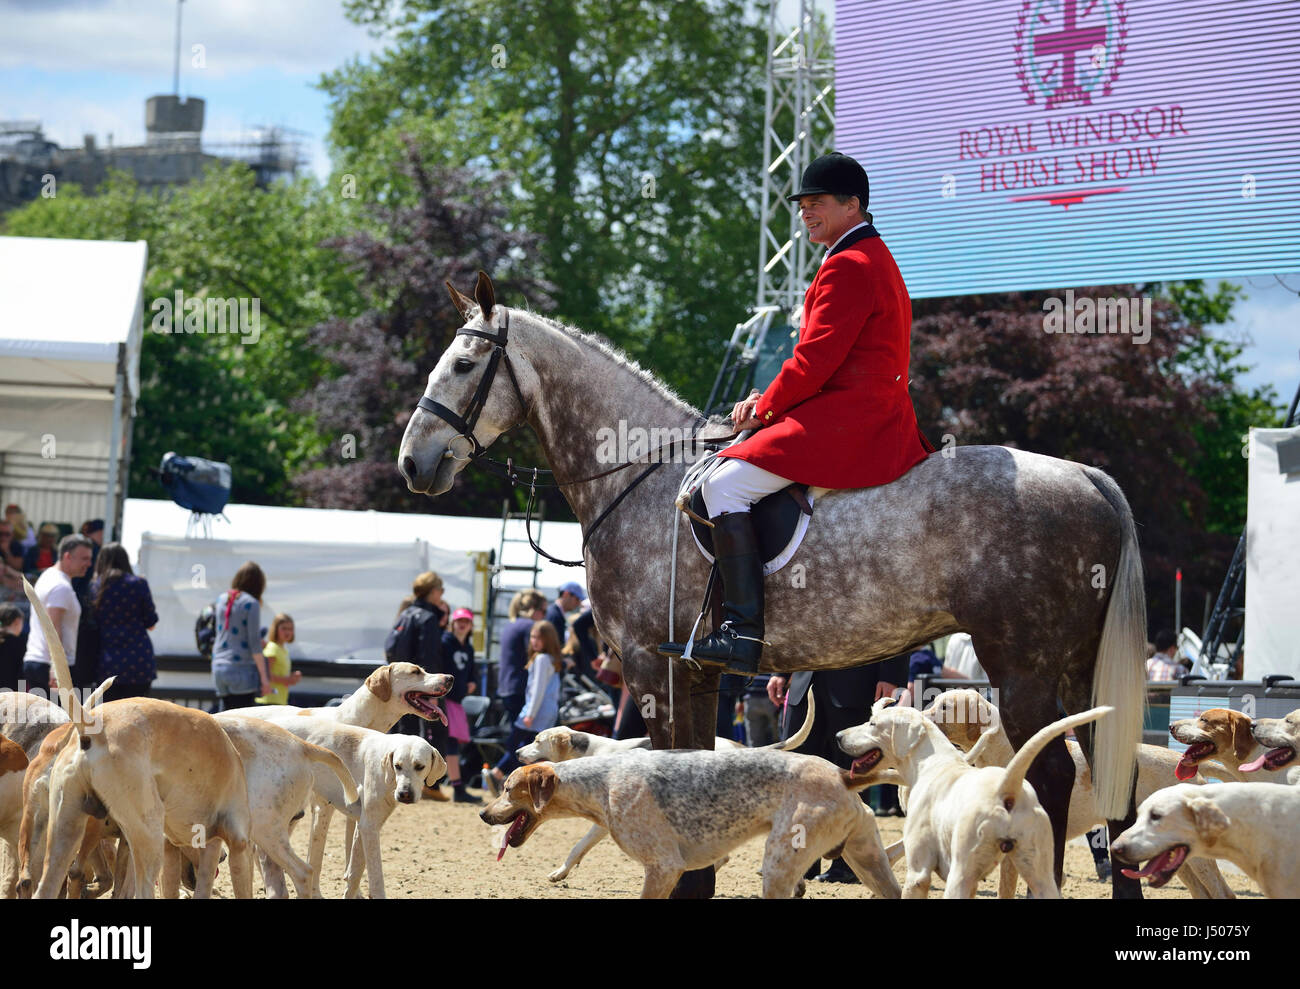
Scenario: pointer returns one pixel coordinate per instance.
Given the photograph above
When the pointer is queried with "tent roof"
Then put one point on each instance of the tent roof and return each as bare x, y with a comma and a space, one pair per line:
325, 525
66, 309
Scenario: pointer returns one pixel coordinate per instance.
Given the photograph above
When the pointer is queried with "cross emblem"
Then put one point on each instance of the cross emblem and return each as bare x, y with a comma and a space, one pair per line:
1067, 43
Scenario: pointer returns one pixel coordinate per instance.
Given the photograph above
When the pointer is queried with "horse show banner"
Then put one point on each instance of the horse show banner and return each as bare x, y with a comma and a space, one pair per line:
1018, 144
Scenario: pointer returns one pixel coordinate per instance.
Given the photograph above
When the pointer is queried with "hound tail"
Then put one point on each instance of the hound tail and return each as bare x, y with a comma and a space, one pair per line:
325, 757
59, 659
1012, 779
798, 738
1119, 675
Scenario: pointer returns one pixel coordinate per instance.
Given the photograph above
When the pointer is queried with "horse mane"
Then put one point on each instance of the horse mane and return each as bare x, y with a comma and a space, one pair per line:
616, 355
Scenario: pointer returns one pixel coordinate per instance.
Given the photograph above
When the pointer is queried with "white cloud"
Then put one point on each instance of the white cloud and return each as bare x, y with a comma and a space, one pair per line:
297, 37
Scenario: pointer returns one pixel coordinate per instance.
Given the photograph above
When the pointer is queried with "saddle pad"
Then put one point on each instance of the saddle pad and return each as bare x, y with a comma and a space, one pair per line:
778, 522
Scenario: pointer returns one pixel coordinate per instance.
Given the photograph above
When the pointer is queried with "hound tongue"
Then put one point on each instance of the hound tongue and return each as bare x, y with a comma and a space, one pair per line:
515, 827
1186, 768
427, 704
862, 765
1272, 759
1161, 867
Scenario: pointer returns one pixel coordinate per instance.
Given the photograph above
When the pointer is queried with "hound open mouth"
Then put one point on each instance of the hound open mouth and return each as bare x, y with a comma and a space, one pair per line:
1186, 768
425, 705
863, 764
514, 835
1272, 760
1161, 868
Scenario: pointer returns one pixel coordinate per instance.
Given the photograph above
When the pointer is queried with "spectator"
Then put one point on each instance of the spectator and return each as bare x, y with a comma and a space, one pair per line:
1166, 665
11, 551
12, 646
54, 588
124, 613
924, 662
43, 555
24, 534
417, 638
760, 714
959, 654
11, 586
239, 673
542, 701
94, 531
526, 607
276, 652
458, 662
571, 597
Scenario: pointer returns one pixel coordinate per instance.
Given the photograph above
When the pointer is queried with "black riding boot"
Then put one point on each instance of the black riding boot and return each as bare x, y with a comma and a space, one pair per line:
737, 645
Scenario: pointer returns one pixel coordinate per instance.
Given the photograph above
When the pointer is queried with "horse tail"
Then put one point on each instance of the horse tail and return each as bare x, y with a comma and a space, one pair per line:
1119, 675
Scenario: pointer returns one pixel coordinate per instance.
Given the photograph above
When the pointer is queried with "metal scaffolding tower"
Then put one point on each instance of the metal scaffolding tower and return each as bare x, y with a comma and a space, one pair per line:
799, 124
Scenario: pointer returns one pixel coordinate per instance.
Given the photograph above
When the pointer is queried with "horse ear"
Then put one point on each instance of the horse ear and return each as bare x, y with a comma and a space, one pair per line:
463, 304
485, 295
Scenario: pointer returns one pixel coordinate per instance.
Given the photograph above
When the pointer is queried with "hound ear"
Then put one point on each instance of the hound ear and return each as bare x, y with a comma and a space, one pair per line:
381, 683
883, 703
1243, 742
437, 769
464, 305
541, 786
485, 295
907, 734
1210, 821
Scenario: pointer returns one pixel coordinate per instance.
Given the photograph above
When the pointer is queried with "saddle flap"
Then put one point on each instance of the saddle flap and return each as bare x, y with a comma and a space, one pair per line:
776, 520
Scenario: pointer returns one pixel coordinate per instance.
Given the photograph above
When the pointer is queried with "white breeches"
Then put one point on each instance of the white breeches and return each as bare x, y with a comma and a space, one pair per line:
734, 486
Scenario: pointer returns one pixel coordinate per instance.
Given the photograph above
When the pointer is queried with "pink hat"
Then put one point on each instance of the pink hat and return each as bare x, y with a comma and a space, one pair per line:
460, 613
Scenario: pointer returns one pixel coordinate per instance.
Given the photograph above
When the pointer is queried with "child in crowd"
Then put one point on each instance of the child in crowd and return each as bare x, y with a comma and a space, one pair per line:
542, 697
458, 661
277, 658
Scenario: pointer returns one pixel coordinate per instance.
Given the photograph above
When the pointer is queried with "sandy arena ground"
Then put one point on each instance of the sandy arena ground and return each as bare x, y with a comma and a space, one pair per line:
442, 850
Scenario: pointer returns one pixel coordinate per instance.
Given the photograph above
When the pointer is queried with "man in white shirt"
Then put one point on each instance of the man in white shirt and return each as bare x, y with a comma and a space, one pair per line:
54, 588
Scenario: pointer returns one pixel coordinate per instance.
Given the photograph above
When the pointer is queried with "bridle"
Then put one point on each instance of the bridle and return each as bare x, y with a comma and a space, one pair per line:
478, 453
467, 422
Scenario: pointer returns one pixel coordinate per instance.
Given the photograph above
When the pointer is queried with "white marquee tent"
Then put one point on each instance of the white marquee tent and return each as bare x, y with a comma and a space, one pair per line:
71, 323
340, 574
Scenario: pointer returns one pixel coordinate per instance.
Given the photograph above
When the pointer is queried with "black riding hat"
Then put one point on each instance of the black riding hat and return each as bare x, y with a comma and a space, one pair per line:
836, 175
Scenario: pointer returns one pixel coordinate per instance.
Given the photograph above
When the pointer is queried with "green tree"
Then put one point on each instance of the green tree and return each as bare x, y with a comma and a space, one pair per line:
631, 129
222, 396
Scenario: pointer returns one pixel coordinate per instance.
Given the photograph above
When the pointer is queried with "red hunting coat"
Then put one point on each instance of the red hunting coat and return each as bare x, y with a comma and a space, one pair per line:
838, 415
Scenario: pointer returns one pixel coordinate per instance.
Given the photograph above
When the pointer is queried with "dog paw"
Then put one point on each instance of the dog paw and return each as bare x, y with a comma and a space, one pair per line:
558, 874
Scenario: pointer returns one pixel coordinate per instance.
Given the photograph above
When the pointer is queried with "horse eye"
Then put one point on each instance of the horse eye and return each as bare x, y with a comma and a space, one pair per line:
463, 366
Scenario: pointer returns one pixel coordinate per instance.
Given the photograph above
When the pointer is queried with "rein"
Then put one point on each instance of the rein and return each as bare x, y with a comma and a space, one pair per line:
476, 452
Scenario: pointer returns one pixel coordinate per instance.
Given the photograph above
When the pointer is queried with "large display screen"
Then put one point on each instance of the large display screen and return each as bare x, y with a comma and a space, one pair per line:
1016, 144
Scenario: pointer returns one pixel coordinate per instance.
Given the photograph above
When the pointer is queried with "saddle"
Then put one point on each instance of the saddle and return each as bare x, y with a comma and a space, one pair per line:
780, 521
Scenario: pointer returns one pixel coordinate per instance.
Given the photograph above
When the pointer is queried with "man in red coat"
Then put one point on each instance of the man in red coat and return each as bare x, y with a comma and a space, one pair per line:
838, 414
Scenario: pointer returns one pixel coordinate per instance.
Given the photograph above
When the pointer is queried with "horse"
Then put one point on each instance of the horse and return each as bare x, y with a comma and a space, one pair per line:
1035, 557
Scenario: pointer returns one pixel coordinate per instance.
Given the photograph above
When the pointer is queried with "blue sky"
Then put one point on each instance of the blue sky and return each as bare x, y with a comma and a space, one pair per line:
87, 66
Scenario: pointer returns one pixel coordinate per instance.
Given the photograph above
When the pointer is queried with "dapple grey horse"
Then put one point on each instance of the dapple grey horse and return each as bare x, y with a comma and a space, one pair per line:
1035, 557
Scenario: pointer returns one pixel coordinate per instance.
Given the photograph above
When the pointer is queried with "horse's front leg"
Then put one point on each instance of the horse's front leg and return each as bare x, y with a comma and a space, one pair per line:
672, 717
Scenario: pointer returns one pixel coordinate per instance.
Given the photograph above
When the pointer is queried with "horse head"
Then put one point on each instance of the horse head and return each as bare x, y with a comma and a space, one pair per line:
468, 402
